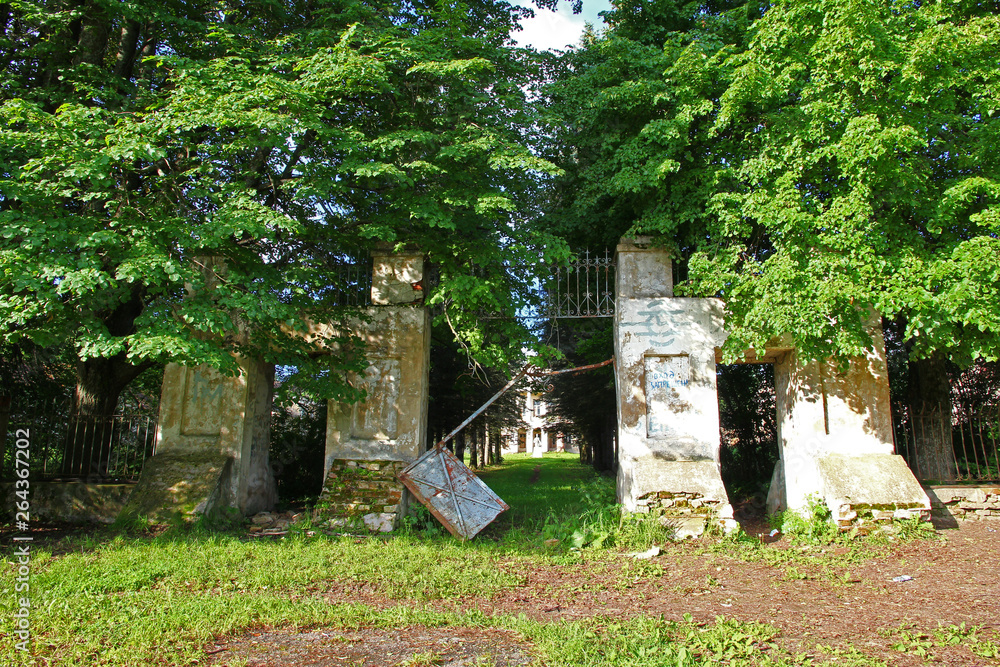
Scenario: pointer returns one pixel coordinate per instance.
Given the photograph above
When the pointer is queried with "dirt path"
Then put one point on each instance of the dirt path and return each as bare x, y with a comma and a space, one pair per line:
848, 607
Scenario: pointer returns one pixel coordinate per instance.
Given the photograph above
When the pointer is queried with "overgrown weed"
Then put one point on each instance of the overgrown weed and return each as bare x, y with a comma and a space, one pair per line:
599, 522
911, 640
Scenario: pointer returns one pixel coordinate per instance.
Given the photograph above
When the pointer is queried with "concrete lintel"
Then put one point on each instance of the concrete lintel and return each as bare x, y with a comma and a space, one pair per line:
769, 355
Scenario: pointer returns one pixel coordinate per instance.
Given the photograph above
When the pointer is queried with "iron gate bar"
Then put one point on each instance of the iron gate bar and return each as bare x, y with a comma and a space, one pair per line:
524, 371
455, 431
584, 288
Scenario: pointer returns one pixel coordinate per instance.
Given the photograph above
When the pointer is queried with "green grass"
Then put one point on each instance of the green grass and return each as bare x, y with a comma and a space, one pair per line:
557, 499
132, 599
559, 478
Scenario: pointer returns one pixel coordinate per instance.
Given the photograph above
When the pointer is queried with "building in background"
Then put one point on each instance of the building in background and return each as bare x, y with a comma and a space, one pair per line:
536, 434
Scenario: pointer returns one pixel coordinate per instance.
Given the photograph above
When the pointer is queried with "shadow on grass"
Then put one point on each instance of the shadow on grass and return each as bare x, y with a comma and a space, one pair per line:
535, 488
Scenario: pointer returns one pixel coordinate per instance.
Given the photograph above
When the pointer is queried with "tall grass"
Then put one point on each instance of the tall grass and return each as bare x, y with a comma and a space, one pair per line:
557, 499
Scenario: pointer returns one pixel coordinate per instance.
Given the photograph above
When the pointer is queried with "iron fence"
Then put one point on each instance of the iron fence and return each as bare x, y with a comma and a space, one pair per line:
68, 447
583, 288
352, 284
974, 441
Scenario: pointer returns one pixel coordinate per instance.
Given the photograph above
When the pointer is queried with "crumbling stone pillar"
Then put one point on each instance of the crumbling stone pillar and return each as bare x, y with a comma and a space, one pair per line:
836, 444
368, 442
668, 414
212, 444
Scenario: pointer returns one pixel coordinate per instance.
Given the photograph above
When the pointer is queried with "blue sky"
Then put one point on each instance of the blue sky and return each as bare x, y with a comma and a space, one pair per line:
554, 30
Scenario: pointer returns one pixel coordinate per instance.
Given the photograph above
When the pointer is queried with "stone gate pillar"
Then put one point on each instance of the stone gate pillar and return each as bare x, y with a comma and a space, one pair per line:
368, 443
668, 414
212, 442
836, 443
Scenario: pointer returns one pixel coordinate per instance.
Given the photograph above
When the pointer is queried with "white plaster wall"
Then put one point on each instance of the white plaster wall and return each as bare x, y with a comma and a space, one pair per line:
830, 417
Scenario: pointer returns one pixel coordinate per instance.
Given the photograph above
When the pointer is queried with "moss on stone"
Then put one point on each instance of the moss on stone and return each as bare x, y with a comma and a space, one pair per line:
179, 486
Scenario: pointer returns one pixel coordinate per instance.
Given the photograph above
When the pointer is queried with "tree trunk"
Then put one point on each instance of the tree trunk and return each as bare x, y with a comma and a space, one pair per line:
930, 419
128, 46
474, 449
497, 447
262, 489
459, 441
92, 42
99, 383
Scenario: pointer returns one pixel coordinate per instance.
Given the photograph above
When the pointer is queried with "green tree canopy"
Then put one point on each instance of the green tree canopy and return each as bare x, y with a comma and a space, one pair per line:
868, 177
814, 160
180, 180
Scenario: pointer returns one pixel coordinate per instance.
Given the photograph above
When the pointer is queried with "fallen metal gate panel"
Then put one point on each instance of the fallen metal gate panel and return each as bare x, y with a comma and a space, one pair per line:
452, 492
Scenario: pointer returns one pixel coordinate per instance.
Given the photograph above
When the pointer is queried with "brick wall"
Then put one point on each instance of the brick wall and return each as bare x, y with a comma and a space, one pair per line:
965, 502
358, 492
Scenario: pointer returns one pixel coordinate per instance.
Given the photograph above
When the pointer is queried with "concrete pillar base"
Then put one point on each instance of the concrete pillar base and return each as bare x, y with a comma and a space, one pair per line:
212, 445
835, 436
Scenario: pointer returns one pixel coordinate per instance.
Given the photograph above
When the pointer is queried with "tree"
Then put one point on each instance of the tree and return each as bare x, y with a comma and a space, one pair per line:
628, 123
458, 388
817, 161
814, 164
586, 401
867, 179
182, 180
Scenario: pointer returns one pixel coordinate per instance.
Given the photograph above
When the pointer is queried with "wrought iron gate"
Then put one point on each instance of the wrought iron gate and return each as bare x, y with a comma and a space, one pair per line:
583, 288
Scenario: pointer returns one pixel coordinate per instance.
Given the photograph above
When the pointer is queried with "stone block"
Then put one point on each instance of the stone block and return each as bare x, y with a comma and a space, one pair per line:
665, 380
966, 505
685, 528
381, 522
397, 278
73, 502
205, 413
976, 495
180, 485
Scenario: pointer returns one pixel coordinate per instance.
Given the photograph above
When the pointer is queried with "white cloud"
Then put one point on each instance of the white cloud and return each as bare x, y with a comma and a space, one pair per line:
550, 30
